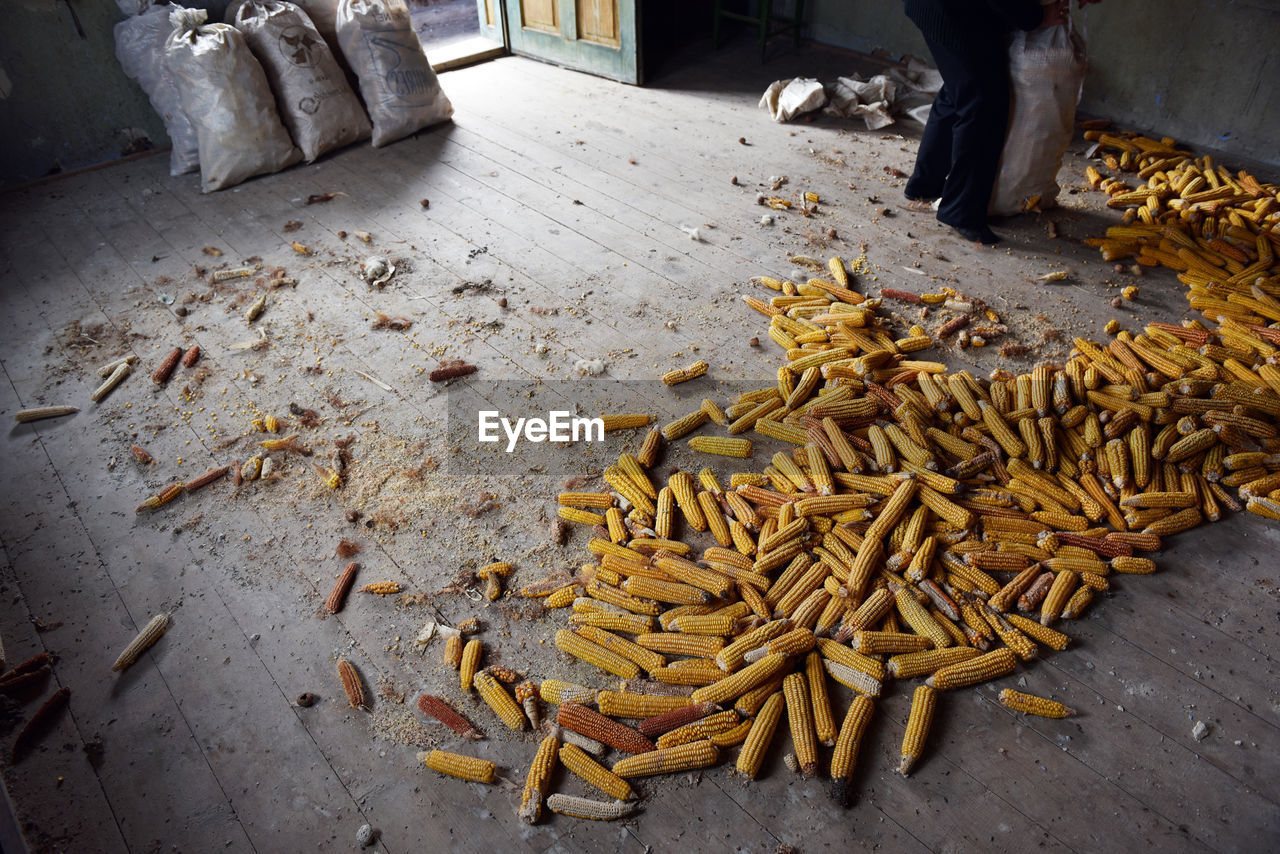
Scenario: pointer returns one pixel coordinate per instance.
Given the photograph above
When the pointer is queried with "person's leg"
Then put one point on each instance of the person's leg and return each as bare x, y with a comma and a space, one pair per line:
933, 159
981, 93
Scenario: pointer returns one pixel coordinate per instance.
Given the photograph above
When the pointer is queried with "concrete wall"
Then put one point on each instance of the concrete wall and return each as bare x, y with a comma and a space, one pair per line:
64, 102
1204, 71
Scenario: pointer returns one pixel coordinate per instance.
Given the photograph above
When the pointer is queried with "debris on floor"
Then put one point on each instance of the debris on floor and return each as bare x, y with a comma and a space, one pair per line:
1219, 231
879, 101
872, 524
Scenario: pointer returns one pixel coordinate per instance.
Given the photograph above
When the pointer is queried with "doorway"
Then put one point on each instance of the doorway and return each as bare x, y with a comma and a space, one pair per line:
451, 34
596, 36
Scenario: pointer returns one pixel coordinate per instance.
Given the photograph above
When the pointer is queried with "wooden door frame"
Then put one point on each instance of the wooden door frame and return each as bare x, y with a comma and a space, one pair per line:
569, 27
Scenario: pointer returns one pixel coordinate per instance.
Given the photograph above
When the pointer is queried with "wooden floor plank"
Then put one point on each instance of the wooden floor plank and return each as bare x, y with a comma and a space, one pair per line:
614, 278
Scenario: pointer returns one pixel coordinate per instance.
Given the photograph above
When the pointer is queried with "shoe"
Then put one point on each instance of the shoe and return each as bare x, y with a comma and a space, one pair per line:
983, 235
919, 205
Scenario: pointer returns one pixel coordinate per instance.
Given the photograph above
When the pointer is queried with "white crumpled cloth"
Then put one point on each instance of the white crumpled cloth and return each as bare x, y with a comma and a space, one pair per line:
880, 101
786, 99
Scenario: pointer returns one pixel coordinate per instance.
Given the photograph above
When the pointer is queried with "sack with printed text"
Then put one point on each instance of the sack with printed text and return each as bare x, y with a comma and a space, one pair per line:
315, 102
399, 88
226, 95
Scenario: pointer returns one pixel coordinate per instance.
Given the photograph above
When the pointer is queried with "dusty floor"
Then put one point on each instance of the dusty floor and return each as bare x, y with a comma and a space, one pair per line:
555, 232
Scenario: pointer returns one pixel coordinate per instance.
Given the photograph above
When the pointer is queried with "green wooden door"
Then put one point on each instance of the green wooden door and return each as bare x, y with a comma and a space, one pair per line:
595, 36
490, 12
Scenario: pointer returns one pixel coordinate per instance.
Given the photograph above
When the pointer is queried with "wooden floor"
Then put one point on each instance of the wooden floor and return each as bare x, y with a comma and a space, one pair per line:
567, 197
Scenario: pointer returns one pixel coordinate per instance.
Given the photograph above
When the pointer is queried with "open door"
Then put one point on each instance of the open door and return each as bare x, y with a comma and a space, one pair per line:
595, 36
490, 12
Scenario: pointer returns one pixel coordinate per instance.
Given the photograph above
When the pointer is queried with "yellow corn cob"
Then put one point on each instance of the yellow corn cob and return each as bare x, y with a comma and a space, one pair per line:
762, 729
923, 703
593, 653
1010, 636
650, 449
928, 661
558, 691
456, 765
823, 722
714, 412
593, 773
731, 657
919, 619
681, 485
733, 736
722, 445
685, 757
382, 588
836, 266
854, 678
665, 591
492, 692
469, 663
716, 625
737, 684
664, 518
1000, 430
1190, 445
993, 665
885, 456
673, 643
1117, 451
872, 642
645, 658
1063, 583
538, 779
453, 651
563, 597
1133, 565
650, 545
626, 704
681, 375
715, 518
794, 642
1049, 637
612, 595
704, 728
684, 425
624, 421
634, 470
1033, 705
845, 756
141, 642
580, 517
1008, 595
838, 652
612, 621
800, 718
893, 509
1181, 521
669, 616
1078, 602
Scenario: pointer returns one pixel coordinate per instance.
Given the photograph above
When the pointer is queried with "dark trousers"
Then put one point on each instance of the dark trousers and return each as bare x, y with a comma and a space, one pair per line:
960, 148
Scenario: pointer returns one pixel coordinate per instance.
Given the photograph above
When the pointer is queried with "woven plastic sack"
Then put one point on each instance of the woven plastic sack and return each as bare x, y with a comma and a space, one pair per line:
315, 102
399, 88
140, 44
225, 94
1046, 75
